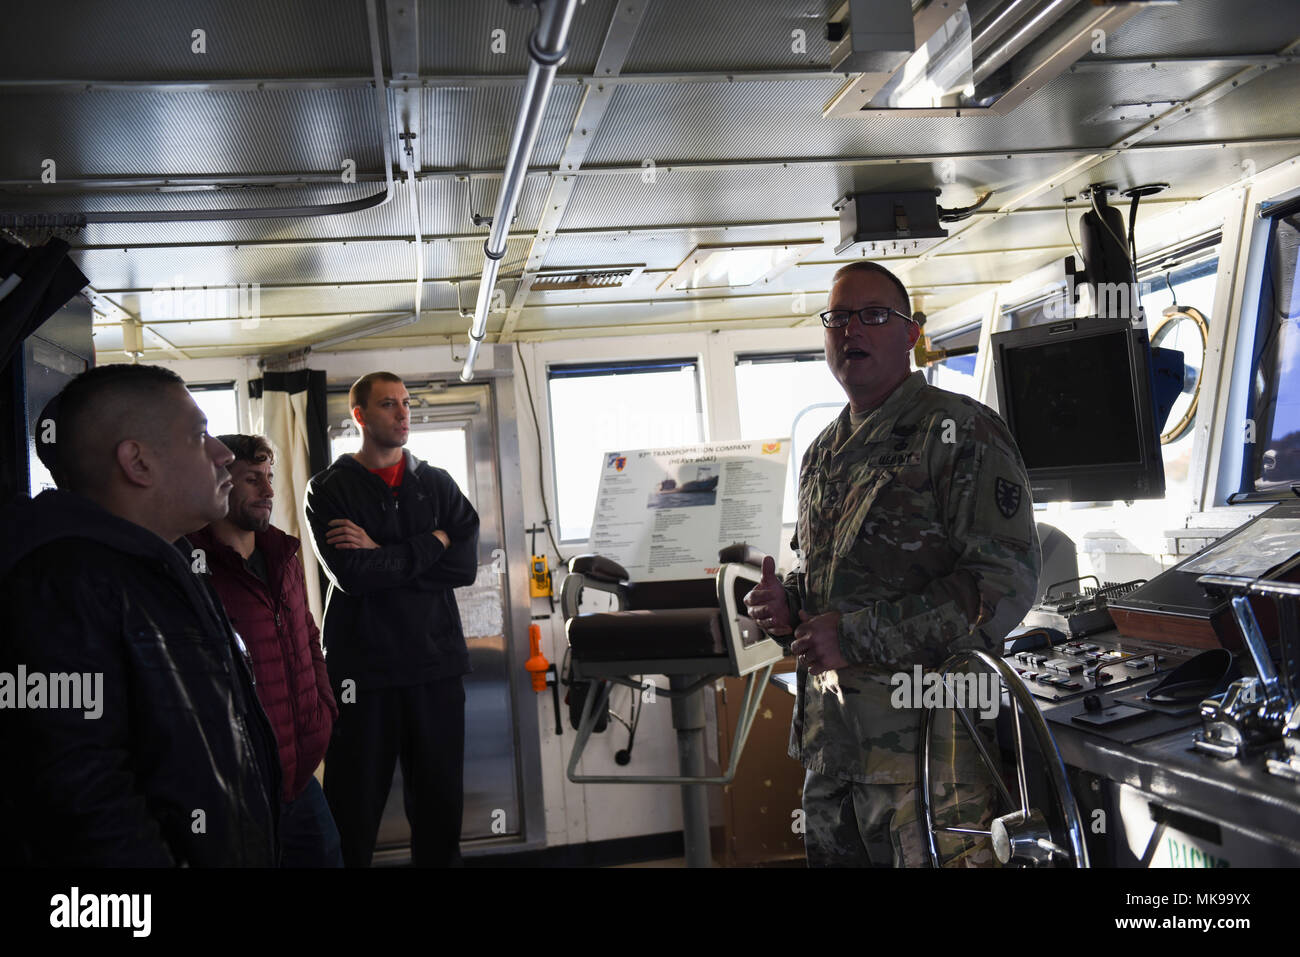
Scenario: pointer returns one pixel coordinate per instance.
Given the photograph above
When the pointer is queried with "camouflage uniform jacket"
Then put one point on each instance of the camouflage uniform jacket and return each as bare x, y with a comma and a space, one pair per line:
917, 527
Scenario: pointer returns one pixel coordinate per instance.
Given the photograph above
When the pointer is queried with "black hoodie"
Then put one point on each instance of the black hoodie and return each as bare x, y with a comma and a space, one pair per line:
391, 618
181, 766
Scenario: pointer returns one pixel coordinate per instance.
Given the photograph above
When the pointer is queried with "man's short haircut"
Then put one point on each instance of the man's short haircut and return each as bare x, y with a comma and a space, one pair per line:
359, 394
870, 268
253, 449
98, 410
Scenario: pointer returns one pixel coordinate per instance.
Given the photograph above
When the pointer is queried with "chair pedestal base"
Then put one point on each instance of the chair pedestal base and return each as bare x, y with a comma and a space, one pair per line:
686, 690
688, 721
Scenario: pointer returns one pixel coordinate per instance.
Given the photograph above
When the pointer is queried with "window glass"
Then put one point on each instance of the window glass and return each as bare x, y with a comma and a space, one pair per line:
1042, 309
444, 447
219, 405
614, 407
1272, 461
1192, 288
956, 374
1115, 539
792, 396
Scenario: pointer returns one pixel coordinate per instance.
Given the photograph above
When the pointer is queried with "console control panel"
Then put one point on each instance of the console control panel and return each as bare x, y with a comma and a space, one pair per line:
1102, 661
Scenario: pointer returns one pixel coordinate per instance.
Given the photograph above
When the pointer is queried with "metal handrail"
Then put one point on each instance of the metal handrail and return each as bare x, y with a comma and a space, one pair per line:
546, 50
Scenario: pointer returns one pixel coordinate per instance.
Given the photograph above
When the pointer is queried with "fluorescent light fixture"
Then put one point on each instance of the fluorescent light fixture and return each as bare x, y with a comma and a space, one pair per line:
939, 73
721, 267
981, 59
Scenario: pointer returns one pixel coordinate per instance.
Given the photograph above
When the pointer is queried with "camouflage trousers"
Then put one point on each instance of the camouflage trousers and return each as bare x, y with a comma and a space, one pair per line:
882, 825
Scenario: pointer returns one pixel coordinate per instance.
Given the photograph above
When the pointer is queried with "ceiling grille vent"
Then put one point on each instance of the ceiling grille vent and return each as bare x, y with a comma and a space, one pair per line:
609, 278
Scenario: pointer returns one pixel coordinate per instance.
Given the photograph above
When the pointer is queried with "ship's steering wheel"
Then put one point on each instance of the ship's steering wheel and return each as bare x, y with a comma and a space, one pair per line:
1022, 836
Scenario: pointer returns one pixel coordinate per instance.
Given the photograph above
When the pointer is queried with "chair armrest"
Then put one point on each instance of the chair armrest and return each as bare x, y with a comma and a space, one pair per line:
591, 571
728, 601
598, 568
743, 554
747, 646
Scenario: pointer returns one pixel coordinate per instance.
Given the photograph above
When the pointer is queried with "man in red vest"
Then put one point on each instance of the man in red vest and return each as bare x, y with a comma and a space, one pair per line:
256, 571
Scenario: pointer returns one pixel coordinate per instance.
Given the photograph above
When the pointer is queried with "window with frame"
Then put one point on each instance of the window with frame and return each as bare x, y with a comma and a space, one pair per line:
790, 394
219, 404
1033, 311
1142, 524
957, 373
1177, 304
444, 445
1191, 289
603, 407
1271, 459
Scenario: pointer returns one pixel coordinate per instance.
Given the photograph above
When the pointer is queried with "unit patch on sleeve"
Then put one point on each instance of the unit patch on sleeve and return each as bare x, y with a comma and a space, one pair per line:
1007, 496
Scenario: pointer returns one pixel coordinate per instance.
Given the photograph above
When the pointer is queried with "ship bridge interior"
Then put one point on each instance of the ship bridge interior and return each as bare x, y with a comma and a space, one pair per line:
588, 237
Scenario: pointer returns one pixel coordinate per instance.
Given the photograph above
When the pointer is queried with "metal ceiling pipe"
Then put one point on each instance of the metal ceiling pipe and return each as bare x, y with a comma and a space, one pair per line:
1023, 36
999, 25
547, 49
413, 189
981, 11
388, 325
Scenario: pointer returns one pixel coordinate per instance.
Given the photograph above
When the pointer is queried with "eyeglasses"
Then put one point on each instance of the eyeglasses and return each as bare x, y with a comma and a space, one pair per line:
870, 316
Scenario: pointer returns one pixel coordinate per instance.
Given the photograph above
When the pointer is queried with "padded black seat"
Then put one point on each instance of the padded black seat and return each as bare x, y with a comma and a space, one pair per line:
692, 631
682, 593
643, 634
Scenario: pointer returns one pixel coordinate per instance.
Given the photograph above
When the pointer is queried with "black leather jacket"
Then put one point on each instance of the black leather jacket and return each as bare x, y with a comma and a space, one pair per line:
180, 767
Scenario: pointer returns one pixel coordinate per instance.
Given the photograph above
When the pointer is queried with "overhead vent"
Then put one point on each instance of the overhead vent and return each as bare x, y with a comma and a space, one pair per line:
604, 278
986, 57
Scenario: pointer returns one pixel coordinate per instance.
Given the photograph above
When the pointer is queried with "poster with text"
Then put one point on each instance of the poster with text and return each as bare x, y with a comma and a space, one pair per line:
665, 513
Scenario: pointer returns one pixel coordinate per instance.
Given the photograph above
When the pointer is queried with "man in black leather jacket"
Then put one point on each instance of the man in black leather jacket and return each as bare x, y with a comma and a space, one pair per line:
179, 766
395, 535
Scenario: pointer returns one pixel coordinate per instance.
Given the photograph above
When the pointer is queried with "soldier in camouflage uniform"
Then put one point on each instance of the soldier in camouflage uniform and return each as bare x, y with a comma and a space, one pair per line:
915, 540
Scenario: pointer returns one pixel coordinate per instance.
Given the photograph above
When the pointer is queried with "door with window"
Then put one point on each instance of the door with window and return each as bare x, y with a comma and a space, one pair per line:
452, 428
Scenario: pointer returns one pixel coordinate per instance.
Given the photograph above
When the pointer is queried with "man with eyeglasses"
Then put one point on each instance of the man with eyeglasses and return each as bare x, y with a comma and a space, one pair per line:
915, 540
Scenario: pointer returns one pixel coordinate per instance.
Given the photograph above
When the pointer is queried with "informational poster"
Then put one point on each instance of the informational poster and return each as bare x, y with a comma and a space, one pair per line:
665, 513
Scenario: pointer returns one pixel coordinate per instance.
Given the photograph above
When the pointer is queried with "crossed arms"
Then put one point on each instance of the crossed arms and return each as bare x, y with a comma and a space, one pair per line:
357, 565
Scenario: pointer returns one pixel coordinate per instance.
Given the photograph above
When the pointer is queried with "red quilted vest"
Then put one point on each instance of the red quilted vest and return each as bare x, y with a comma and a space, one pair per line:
283, 640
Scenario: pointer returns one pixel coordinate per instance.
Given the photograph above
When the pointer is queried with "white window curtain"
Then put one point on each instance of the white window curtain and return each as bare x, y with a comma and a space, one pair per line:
287, 414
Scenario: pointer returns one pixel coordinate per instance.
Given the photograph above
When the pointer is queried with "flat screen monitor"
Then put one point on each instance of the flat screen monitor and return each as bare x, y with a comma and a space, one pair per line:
1077, 396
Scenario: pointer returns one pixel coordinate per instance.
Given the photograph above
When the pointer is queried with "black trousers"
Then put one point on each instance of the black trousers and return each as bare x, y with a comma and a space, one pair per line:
423, 726
308, 835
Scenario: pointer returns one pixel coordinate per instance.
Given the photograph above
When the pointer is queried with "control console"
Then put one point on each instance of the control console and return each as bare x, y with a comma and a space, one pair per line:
1103, 661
